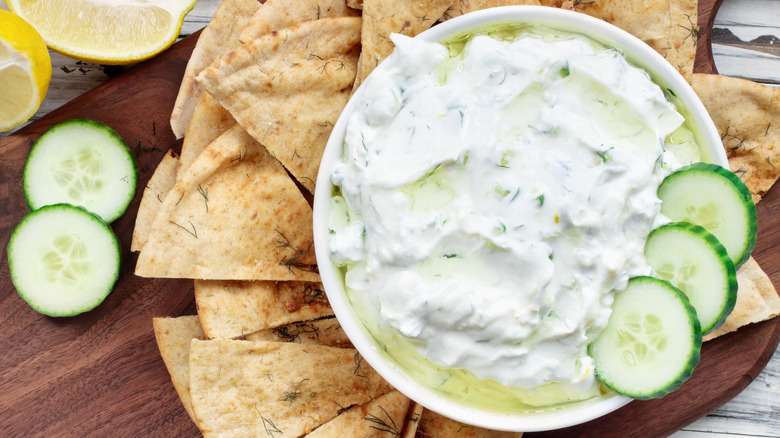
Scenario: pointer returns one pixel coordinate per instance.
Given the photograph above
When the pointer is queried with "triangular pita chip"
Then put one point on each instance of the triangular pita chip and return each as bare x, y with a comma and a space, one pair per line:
288, 88
231, 309
155, 192
236, 215
433, 425
256, 388
668, 26
747, 116
757, 300
173, 339
209, 121
380, 418
279, 14
465, 6
326, 331
383, 17
412, 420
218, 38
355, 4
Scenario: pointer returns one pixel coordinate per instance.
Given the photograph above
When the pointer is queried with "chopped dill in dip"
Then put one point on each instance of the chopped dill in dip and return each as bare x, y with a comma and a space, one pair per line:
489, 200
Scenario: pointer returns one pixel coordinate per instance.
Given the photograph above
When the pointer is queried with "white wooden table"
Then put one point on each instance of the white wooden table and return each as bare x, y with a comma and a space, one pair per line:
746, 43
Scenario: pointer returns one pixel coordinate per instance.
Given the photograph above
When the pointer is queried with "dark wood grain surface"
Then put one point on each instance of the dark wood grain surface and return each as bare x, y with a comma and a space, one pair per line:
100, 374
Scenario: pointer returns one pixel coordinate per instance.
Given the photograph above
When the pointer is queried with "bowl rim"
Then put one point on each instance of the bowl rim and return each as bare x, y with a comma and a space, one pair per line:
575, 22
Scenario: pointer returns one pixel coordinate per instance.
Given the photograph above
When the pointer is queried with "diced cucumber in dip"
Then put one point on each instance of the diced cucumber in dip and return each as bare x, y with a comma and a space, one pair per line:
491, 196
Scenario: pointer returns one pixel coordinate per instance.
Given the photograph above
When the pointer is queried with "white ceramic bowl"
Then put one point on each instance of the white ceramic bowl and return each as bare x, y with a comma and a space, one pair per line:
639, 54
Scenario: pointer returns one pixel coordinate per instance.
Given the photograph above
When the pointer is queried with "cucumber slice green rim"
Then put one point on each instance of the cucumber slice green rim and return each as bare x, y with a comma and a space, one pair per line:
652, 342
81, 162
63, 260
694, 261
715, 198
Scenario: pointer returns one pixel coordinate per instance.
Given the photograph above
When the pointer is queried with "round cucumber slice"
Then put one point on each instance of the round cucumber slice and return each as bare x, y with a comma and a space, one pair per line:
694, 261
63, 260
715, 198
652, 342
81, 162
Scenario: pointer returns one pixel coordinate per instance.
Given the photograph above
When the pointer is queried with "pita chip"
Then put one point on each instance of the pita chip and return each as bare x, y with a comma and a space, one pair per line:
173, 339
433, 425
757, 300
253, 388
378, 418
412, 420
219, 37
235, 215
465, 6
668, 26
747, 116
279, 14
288, 88
209, 121
230, 309
383, 17
326, 331
156, 190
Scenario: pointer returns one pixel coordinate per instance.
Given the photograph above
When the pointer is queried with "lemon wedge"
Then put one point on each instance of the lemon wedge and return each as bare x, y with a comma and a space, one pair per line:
103, 31
25, 70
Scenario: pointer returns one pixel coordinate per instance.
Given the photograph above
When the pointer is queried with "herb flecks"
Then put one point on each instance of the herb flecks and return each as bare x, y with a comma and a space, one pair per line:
383, 425
693, 30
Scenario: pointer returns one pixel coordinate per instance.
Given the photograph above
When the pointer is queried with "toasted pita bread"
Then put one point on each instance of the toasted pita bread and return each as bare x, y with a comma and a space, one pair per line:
757, 300
209, 121
433, 425
747, 116
156, 190
379, 418
465, 6
355, 4
235, 215
288, 88
218, 38
326, 331
280, 14
412, 420
383, 17
668, 26
173, 339
245, 388
230, 309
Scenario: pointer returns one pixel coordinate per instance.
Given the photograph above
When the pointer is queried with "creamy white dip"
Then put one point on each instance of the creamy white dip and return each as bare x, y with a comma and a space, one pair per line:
489, 203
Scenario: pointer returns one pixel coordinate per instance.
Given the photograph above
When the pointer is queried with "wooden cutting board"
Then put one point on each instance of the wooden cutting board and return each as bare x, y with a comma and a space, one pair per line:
100, 374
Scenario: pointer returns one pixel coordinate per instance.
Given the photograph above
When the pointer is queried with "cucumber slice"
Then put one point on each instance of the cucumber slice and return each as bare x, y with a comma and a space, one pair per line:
694, 261
715, 198
63, 260
81, 162
652, 342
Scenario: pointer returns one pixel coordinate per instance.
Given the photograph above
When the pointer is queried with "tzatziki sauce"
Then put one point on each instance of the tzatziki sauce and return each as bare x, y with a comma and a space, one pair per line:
491, 199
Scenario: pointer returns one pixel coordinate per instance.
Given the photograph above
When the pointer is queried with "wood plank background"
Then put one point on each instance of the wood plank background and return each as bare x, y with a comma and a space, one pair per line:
745, 39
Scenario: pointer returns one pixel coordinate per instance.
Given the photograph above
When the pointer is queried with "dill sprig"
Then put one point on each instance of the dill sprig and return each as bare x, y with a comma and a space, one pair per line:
205, 195
693, 30
358, 364
294, 260
311, 294
270, 427
194, 232
293, 333
382, 425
